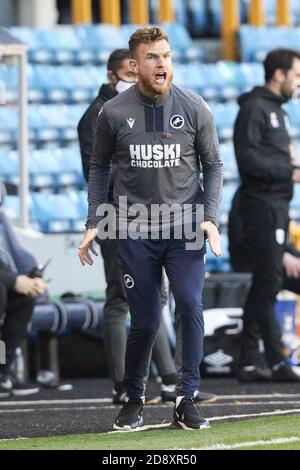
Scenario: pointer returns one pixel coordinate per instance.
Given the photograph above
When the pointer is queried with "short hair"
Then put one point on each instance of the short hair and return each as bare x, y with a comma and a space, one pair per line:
145, 36
279, 59
116, 58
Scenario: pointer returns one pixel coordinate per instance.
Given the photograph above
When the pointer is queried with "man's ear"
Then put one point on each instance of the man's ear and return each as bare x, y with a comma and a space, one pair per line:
111, 78
279, 75
134, 65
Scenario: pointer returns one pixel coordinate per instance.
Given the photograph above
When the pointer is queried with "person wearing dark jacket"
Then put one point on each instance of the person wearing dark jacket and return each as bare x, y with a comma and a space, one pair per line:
17, 293
267, 173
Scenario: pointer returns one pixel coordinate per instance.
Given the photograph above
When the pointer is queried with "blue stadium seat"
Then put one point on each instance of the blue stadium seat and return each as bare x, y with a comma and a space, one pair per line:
256, 42
57, 213
36, 93
73, 114
80, 200
127, 30
252, 75
197, 20
229, 162
79, 313
30, 36
224, 115
9, 76
69, 161
11, 207
65, 84
43, 169
102, 39
181, 12
8, 124
64, 45
181, 43
9, 166
46, 317
293, 110
221, 81
11, 210
52, 82
229, 81
45, 123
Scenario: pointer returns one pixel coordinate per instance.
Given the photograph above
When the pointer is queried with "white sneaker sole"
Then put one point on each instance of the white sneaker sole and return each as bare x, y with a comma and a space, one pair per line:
128, 428
180, 425
23, 393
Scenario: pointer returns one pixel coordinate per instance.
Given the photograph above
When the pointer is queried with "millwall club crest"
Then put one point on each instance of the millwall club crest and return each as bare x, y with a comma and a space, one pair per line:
177, 121
129, 282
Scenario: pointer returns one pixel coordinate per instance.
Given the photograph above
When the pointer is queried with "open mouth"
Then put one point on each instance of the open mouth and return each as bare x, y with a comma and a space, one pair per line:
160, 78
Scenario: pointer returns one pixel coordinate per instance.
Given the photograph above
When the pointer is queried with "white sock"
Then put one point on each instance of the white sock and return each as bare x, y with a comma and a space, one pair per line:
178, 401
168, 388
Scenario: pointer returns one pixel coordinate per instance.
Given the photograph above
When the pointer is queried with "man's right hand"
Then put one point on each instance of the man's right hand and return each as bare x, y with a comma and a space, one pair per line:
86, 246
296, 175
292, 265
28, 286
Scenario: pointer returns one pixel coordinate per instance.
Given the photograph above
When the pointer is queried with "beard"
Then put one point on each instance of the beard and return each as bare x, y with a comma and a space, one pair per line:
147, 83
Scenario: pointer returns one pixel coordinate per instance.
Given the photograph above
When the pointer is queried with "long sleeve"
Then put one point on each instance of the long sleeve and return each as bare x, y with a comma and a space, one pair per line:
100, 166
252, 161
86, 133
8, 275
212, 166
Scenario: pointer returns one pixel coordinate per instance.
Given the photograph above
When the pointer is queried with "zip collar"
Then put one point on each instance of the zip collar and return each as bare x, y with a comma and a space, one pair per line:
159, 100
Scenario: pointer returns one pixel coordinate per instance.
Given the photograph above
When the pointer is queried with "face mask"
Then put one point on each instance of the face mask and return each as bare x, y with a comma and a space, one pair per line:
123, 86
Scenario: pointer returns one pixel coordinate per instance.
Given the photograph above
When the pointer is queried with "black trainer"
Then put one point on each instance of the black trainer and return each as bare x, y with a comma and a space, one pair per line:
285, 373
12, 386
187, 416
130, 416
22, 389
255, 373
205, 397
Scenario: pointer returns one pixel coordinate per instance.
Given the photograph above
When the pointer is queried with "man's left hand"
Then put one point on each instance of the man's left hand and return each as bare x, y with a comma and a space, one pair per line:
213, 237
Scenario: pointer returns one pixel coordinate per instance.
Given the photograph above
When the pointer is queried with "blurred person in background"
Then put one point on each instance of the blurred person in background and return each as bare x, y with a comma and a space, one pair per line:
17, 294
259, 218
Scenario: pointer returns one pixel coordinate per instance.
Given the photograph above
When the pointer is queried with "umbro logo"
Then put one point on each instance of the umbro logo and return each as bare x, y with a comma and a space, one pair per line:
177, 121
130, 122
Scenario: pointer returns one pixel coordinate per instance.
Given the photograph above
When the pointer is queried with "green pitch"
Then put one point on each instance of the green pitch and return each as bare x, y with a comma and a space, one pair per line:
278, 432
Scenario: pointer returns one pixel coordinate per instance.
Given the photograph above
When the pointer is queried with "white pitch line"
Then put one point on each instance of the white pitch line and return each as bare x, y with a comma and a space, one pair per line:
109, 400
217, 418
269, 395
254, 415
238, 445
56, 402
14, 439
253, 403
113, 407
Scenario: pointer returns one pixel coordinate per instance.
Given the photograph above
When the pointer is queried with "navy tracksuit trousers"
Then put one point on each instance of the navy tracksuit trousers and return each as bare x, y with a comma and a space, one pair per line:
142, 262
